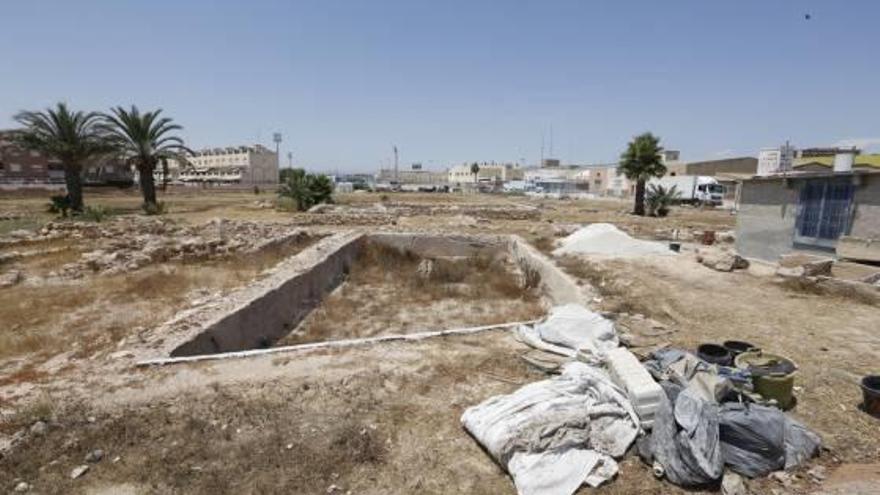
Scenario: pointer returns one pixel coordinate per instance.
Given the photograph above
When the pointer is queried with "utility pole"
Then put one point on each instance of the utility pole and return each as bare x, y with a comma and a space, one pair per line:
396, 171
541, 163
289, 159
276, 137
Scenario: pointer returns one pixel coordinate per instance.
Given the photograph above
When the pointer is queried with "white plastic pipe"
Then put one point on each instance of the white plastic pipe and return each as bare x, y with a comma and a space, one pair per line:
330, 344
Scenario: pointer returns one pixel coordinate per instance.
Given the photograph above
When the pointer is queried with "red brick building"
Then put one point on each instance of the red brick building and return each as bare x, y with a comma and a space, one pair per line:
19, 166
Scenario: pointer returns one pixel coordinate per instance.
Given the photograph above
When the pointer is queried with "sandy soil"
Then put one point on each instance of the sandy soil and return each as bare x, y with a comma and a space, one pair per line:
385, 419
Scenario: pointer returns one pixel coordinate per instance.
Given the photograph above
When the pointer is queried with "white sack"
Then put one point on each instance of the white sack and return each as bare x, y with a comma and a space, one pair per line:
572, 329
556, 434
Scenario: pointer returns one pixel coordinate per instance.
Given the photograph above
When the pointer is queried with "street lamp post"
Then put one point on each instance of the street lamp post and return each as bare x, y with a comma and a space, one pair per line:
276, 137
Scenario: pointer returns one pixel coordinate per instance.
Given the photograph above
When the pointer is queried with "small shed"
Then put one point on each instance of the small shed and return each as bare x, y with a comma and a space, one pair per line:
807, 211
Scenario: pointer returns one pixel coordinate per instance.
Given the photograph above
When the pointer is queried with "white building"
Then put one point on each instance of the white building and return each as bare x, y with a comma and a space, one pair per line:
247, 165
489, 172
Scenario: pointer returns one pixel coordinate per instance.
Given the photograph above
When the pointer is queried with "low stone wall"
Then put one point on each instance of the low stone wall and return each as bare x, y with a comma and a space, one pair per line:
268, 309
443, 246
263, 312
558, 287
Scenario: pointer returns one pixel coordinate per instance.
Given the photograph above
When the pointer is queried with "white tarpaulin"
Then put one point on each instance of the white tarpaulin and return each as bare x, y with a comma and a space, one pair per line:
556, 434
572, 329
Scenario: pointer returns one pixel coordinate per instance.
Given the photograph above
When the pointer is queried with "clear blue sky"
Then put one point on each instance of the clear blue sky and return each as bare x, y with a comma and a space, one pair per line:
455, 80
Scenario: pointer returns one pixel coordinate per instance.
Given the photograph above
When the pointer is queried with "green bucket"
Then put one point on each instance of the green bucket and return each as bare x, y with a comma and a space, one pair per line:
772, 375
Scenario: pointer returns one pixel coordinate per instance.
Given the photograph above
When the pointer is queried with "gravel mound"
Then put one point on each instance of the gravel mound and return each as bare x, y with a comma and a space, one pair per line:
605, 238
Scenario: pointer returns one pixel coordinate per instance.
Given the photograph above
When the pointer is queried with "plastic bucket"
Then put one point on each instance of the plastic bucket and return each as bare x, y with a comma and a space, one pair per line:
715, 354
772, 375
737, 347
708, 237
871, 393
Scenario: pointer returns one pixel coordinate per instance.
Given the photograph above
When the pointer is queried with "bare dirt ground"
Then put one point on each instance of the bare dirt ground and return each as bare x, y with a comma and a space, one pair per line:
383, 419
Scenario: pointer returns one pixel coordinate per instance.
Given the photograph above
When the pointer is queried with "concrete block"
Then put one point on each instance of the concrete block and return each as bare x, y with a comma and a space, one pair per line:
643, 392
857, 249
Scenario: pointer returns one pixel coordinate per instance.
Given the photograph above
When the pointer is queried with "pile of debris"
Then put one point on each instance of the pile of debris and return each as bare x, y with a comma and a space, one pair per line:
692, 421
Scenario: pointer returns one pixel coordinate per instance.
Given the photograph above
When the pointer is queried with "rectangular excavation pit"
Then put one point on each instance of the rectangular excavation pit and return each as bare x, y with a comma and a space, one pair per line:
473, 280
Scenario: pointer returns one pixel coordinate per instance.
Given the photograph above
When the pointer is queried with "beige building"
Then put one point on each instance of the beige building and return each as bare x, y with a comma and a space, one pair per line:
605, 180
489, 172
247, 165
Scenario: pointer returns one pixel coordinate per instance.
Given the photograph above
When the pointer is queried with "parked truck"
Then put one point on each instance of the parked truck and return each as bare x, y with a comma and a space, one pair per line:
694, 189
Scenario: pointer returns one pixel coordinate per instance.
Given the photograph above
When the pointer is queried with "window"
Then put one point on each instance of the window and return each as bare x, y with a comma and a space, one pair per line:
825, 208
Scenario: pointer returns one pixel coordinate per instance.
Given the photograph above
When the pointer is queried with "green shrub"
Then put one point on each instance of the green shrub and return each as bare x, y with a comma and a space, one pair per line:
59, 204
306, 190
659, 199
96, 213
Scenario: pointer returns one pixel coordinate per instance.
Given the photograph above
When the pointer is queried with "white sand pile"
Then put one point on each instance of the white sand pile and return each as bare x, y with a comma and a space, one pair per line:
605, 238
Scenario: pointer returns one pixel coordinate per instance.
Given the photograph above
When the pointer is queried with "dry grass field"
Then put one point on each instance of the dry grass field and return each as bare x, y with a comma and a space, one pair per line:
376, 419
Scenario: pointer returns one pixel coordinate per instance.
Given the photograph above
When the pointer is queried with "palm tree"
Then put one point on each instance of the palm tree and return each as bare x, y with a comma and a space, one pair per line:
660, 198
306, 190
144, 140
70, 137
640, 162
475, 169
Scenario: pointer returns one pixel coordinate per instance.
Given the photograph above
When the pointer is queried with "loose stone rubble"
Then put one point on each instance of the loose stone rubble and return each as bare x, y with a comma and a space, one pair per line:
129, 243
721, 259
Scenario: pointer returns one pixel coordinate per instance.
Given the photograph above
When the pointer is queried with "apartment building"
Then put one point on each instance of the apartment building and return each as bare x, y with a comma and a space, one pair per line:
246, 165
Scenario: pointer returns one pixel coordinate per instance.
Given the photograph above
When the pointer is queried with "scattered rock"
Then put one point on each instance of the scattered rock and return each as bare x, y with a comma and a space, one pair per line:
804, 265
873, 279
40, 428
817, 473
790, 272
21, 487
79, 471
727, 236
10, 278
20, 234
721, 260
818, 267
10, 256
425, 268
95, 456
782, 478
122, 355
733, 484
